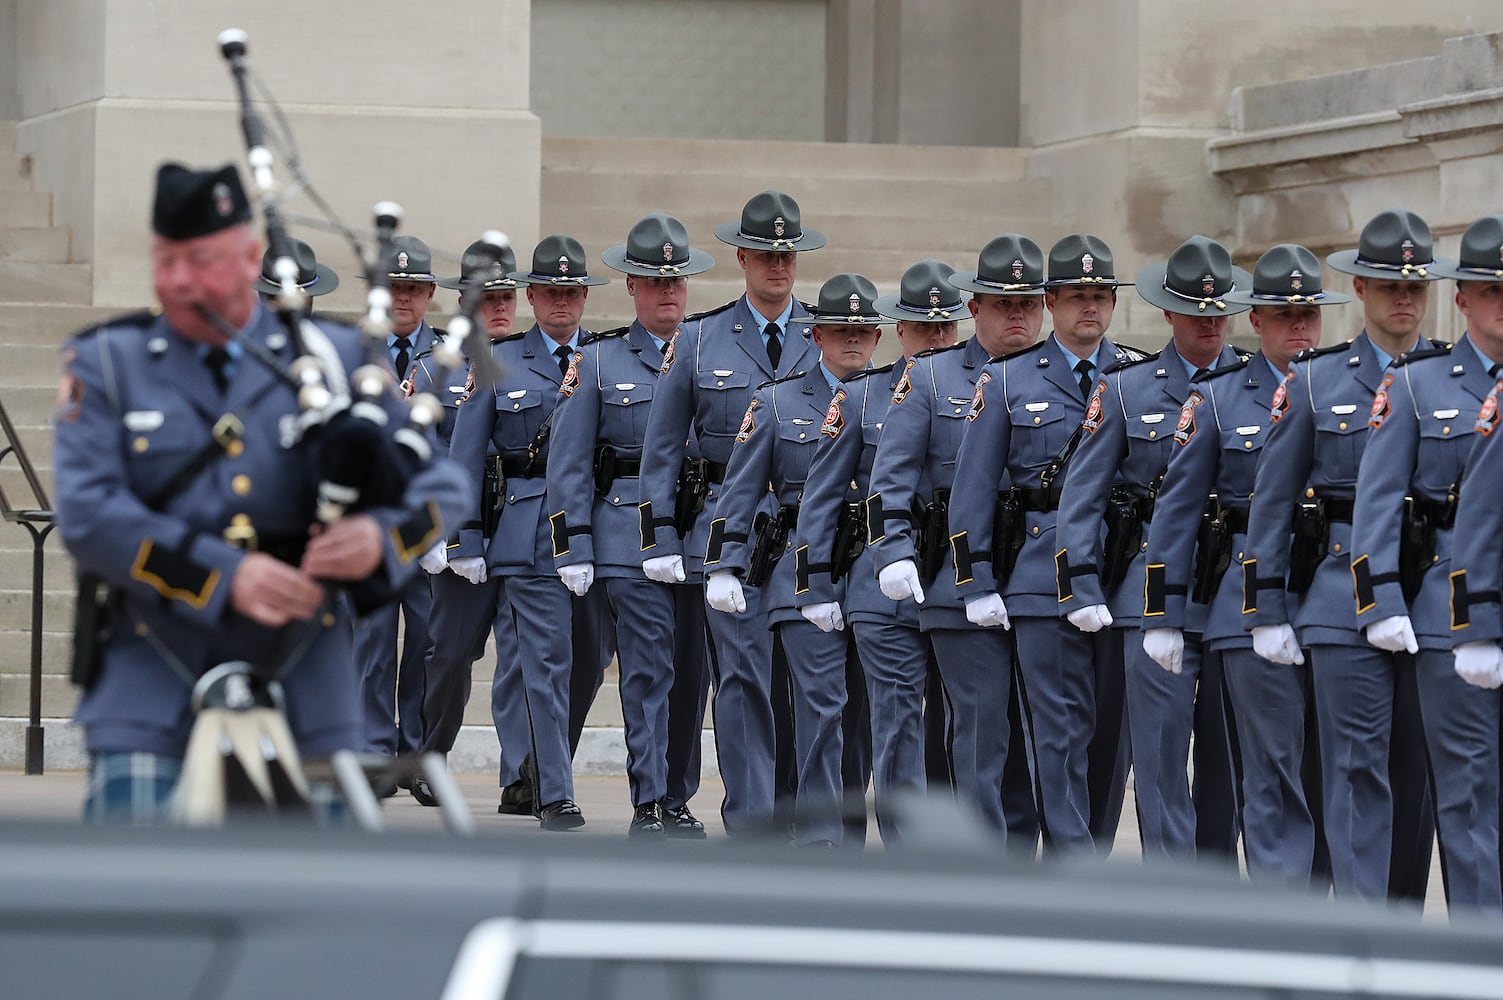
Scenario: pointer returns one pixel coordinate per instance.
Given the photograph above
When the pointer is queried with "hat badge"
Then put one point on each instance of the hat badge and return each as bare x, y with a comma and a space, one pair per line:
402, 260
1296, 280
563, 265
1087, 263
934, 296
1017, 270
223, 203
855, 302
778, 226
1406, 250
668, 251
1207, 284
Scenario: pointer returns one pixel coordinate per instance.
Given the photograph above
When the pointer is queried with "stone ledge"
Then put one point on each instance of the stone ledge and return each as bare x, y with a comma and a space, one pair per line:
602, 749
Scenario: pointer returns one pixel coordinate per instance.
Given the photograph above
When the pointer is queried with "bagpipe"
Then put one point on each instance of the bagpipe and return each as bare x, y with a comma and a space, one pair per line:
241, 756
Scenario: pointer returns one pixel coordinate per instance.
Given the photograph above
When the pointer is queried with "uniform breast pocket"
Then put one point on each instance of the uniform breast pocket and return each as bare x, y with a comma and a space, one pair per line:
1240, 447
796, 450
159, 449
723, 397
1039, 431
518, 416
626, 407
1149, 436
1340, 435
1445, 437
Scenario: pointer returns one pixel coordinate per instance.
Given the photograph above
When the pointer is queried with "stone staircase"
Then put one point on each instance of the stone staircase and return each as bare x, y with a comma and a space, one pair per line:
881, 206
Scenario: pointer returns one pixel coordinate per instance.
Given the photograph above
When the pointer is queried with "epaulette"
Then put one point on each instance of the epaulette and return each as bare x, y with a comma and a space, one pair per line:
941, 350
619, 331
809, 308
1437, 351
440, 332
780, 381
863, 373
1130, 361
1220, 370
141, 317
510, 337
1037, 345
1315, 352
1133, 354
712, 312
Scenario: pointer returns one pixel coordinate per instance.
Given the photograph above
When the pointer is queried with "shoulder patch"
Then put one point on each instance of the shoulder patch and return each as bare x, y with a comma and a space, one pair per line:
834, 419
1094, 413
748, 422
670, 353
1128, 362
619, 331
571, 375
1220, 370
1280, 404
711, 312
1429, 352
978, 398
905, 384
1380, 403
1185, 429
1487, 417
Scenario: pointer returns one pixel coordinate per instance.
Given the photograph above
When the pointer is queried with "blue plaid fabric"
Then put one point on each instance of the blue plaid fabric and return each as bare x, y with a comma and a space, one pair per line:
135, 788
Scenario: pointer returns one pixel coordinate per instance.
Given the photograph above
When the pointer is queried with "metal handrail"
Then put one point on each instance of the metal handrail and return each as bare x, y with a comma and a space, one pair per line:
30, 518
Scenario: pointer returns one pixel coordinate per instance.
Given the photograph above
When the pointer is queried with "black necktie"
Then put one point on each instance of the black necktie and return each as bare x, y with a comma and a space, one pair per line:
404, 357
1083, 369
562, 353
218, 360
774, 344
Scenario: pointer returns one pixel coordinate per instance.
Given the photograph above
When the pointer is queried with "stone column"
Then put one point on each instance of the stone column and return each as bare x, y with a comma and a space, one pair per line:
418, 105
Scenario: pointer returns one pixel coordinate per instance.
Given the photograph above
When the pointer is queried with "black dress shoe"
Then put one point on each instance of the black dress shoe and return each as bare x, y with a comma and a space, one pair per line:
561, 815
423, 793
647, 823
516, 800
681, 824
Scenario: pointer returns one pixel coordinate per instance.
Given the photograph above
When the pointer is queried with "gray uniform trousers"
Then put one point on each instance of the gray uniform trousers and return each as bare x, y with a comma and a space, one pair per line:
689, 693
391, 689
541, 612
895, 659
593, 635
741, 662
643, 610
976, 668
817, 670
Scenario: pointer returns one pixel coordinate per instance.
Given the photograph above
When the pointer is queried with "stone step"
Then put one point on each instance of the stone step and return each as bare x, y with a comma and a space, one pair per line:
26, 281
15, 173
774, 160
15, 566
47, 244
7, 136
57, 645
34, 438
46, 323
18, 490
818, 196
28, 404
15, 607
25, 208
33, 364
59, 696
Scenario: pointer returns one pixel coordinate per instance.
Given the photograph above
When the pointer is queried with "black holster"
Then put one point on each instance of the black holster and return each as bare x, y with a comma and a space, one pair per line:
693, 488
1311, 535
1417, 543
1213, 552
605, 468
1124, 535
850, 538
95, 615
933, 535
1009, 530
770, 538
492, 497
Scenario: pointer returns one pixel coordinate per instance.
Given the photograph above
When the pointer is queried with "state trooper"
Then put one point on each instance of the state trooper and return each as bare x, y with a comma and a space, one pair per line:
1218, 438
222, 564
1377, 806
1105, 517
908, 514
594, 488
313, 278
708, 376
783, 422
835, 581
1407, 486
515, 416
391, 686
1022, 425
464, 613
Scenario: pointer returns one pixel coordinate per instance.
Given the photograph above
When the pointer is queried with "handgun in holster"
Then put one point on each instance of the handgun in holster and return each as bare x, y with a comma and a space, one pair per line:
1213, 552
492, 496
1311, 533
770, 538
1009, 531
605, 468
1124, 535
1417, 533
850, 538
693, 488
933, 535
96, 614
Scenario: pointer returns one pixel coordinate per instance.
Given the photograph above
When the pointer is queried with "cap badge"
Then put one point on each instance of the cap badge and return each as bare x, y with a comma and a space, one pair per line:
1296, 280
1207, 284
1017, 270
563, 265
934, 296
855, 302
223, 203
1406, 250
402, 260
668, 251
1087, 263
778, 226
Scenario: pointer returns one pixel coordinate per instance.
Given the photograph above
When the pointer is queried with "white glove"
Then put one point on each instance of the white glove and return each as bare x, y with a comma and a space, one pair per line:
1394, 634
901, 580
825, 616
987, 611
1166, 647
1091, 618
436, 559
664, 569
1277, 644
723, 592
577, 577
472, 568
1480, 664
